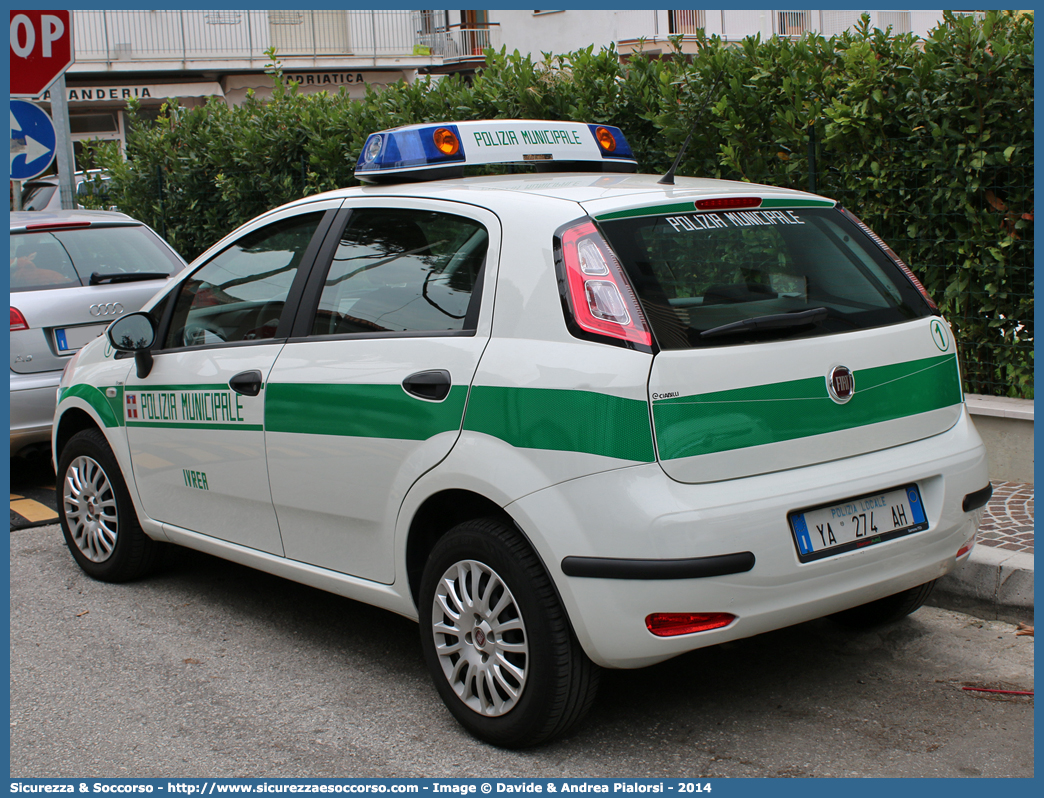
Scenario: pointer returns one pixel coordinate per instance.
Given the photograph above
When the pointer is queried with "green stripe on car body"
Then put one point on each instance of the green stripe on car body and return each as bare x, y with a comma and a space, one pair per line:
689, 426
109, 410
563, 420
784, 202
690, 207
655, 210
193, 425
363, 411
588, 421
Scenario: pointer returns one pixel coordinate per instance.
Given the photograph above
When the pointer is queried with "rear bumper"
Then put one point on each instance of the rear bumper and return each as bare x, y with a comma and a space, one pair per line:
640, 514
32, 407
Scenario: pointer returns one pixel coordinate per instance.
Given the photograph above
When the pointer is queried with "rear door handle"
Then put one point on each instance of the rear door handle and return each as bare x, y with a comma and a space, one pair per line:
434, 385
247, 383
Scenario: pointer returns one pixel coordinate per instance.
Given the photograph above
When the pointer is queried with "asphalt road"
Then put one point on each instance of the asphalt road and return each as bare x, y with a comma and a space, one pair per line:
209, 669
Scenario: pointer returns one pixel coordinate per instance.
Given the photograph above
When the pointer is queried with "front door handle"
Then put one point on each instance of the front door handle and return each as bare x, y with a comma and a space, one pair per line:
434, 385
247, 383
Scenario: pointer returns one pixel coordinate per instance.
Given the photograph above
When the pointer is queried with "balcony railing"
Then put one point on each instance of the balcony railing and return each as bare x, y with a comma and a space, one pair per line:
792, 24
686, 22
458, 43
157, 36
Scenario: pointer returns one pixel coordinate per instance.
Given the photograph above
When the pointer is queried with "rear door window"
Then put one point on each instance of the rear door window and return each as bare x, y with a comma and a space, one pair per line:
707, 279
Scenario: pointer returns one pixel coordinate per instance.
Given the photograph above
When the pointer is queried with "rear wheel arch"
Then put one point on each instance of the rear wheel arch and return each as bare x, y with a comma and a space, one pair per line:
436, 516
443, 511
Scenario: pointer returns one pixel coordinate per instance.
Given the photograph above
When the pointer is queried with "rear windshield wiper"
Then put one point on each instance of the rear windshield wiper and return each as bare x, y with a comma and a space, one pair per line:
774, 321
121, 277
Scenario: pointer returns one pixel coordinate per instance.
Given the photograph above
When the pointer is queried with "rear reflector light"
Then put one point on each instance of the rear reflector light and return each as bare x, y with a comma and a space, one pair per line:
18, 321
888, 251
670, 624
599, 296
969, 544
56, 225
726, 203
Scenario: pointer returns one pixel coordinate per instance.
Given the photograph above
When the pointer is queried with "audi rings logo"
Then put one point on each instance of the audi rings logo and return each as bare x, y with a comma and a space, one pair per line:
109, 309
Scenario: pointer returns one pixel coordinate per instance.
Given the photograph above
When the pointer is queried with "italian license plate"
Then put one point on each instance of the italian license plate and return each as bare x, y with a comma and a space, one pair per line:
69, 339
856, 523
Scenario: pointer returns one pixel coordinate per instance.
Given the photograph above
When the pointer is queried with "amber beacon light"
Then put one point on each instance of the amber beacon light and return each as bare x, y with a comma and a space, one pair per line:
605, 138
445, 141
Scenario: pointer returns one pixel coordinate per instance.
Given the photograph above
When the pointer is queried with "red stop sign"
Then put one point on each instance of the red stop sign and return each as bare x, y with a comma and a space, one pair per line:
41, 50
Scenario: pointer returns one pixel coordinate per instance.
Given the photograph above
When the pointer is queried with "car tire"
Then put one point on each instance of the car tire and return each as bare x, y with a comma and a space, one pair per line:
887, 610
513, 674
98, 519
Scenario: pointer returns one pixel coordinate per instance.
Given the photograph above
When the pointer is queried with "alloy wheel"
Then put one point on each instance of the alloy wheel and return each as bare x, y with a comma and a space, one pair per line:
480, 638
90, 509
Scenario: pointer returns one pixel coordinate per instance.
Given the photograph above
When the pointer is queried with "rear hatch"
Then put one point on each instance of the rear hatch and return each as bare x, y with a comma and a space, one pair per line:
55, 309
787, 333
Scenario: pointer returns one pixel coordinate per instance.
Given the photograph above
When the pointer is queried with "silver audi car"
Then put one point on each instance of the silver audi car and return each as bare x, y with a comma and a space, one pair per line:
72, 273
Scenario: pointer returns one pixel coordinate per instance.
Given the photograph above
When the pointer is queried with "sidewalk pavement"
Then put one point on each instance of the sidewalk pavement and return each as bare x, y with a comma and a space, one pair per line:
997, 580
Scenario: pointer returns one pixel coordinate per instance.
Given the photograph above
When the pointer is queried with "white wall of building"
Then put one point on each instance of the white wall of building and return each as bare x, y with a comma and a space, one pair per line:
564, 31
559, 32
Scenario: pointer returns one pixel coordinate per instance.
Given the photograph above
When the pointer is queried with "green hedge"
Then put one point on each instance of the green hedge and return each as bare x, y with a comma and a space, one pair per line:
929, 141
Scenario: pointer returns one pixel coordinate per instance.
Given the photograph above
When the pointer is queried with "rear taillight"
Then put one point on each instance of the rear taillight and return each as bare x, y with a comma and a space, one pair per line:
599, 296
670, 624
888, 251
18, 321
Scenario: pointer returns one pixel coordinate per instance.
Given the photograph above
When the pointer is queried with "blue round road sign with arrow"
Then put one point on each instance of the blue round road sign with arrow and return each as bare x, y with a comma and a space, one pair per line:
33, 140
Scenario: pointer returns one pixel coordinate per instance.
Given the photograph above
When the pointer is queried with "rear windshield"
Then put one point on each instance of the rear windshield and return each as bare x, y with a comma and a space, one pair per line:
710, 279
64, 258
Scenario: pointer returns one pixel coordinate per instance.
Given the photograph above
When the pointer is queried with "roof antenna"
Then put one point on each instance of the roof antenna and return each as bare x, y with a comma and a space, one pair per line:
668, 179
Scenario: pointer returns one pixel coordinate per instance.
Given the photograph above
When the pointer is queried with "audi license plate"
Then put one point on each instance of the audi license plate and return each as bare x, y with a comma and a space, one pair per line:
855, 523
69, 339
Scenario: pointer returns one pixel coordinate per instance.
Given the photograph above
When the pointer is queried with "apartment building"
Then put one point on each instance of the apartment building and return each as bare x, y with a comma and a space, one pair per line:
190, 56
649, 30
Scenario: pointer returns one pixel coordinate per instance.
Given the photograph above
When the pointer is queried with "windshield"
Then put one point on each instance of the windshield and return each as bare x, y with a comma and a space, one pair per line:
712, 279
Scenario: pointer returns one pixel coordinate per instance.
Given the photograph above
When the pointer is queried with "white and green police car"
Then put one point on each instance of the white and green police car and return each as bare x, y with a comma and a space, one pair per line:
565, 419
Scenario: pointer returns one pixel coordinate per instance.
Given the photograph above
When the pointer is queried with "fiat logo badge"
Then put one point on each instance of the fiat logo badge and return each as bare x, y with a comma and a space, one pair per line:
840, 384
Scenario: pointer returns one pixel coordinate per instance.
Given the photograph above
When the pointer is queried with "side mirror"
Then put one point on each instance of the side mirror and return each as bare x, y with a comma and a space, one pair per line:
135, 333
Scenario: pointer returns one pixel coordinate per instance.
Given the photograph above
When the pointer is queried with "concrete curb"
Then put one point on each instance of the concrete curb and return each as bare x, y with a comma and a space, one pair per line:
994, 583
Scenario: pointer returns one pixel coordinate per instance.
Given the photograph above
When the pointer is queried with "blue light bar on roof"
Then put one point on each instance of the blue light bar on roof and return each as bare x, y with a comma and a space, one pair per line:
430, 151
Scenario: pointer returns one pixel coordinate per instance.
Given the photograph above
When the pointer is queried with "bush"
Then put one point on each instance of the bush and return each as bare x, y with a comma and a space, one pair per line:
929, 141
